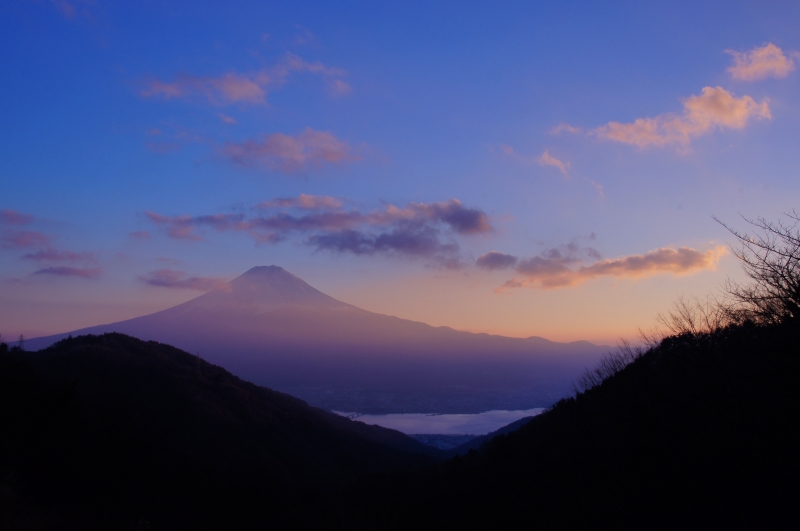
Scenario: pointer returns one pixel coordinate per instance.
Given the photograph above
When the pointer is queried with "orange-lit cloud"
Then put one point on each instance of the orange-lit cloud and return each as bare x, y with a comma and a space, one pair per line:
251, 88
760, 63
548, 160
292, 154
560, 271
714, 108
170, 278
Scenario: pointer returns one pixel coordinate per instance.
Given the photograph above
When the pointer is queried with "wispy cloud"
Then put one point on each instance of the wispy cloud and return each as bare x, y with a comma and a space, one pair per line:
714, 108
65, 271
70, 9
54, 255
557, 270
170, 278
304, 202
292, 154
250, 88
759, 63
227, 119
23, 239
13, 217
415, 230
566, 128
546, 159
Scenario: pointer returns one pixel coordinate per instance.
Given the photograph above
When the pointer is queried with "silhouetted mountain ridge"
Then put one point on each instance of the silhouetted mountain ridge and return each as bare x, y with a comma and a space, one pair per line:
106, 425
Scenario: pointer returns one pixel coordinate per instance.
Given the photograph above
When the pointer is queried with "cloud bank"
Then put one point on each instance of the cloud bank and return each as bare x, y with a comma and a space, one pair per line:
715, 108
759, 63
415, 230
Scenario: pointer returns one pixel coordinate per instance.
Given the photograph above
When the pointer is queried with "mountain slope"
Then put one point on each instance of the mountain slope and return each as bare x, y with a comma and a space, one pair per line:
274, 329
699, 432
99, 427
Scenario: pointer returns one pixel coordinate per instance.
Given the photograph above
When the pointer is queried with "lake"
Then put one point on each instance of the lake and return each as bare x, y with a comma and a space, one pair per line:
445, 424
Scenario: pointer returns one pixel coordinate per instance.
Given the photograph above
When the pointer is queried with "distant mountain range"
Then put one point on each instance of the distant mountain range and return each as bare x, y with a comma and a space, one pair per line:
272, 328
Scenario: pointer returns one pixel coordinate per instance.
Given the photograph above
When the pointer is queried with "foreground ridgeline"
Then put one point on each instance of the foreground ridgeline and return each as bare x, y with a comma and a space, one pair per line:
111, 432
699, 431
100, 432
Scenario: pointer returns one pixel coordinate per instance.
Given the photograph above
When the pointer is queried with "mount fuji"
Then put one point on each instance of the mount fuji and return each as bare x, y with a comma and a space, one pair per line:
272, 328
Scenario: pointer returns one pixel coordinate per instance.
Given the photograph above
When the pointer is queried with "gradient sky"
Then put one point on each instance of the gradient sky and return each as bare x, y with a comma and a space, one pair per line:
524, 168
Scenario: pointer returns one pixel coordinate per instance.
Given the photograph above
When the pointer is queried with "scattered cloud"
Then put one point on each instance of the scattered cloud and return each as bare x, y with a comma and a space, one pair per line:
714, 108
170, 278
566, 128
415, 230
226, 119
556, 269
496, 260
65, 271
292, 154
760, 63
250, 88
548, 160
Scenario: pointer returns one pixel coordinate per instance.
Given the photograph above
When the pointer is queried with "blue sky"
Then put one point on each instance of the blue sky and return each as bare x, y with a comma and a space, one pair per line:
146, 146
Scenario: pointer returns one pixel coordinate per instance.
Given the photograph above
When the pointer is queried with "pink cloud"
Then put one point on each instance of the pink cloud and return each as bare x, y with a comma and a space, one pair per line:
64, 271
227, 119
170, 278
714, 108
251, 88
292, 154
760, 63
559, 271
548, 160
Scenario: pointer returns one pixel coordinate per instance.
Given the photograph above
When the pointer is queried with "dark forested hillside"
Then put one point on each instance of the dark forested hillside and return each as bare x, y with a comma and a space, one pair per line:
100, 432
699, 431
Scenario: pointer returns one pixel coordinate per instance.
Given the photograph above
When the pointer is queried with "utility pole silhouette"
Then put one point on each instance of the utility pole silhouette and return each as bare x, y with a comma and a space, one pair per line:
21, 342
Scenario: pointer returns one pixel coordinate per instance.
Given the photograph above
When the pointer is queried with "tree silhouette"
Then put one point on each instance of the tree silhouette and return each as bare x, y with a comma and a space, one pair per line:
771, 259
